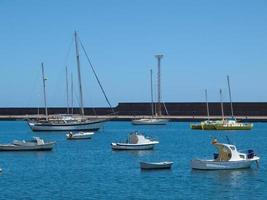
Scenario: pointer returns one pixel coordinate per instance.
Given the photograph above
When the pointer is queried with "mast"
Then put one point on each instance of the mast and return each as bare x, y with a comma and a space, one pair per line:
151, 88
221, 104
71, 94
230, 96
159, 57
67, 88
44, 79
207, 104
79, 73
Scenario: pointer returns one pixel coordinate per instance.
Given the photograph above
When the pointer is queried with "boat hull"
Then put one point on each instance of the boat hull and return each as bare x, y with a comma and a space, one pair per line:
215, 165
44, 147
223, 127
83, 126
202, 127
149, 121
120, 146
159, 165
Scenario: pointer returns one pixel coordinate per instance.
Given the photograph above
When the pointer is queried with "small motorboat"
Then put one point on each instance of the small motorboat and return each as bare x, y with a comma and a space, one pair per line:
156, 165
79, 135
135, 141
36, 144
227, 158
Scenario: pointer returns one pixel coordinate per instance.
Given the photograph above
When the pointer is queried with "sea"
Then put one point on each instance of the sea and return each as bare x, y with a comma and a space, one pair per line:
89, 169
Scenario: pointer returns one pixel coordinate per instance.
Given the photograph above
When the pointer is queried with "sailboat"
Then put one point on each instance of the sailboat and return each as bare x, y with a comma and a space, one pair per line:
232, 123
66, 122
152, 120
207, 124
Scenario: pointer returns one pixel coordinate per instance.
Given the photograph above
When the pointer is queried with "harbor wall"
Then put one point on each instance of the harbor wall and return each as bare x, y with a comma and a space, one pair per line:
174, 109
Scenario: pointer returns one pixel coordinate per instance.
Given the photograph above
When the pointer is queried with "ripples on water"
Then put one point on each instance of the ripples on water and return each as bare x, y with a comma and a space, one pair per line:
89, 169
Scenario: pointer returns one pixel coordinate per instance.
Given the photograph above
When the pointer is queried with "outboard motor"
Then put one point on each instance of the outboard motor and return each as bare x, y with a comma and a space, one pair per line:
250, 154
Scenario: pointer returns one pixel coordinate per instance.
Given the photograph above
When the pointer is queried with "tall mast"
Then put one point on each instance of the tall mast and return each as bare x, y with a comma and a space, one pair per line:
71, 94
44, 79
79, 74
221, 104
159, 57
230, 96
67, 88
151, 88
207, 104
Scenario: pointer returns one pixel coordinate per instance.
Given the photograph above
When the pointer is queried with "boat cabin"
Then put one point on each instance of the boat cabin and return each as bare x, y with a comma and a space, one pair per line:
135, 138
228, 152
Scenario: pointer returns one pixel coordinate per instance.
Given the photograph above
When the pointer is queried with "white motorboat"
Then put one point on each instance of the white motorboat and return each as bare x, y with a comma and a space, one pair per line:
227, 158
156, 165
79, 135
36, 144
135, 141
149, 121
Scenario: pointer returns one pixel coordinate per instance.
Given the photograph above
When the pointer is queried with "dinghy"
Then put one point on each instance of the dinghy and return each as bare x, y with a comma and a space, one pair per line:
79, 135
228, 157
36, 144
156, 165
135, 141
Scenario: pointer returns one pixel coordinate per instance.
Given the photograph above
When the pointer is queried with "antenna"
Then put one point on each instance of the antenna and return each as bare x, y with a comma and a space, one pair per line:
159, 57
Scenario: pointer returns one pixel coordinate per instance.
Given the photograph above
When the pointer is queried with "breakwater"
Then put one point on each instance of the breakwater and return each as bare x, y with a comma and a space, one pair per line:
250, 111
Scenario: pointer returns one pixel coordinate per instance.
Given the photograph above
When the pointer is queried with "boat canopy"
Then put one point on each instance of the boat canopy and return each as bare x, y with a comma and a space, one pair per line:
135, 138
227, 152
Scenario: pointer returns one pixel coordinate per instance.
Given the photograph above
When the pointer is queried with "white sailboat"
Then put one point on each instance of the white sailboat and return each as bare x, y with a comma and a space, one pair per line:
62, 122
154, 119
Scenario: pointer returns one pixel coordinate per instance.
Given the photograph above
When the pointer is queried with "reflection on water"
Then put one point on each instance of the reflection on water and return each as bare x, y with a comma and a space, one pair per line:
136, 153
231, 177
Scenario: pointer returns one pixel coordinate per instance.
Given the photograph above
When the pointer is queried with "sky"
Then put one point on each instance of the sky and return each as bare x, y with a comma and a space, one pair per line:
202, 41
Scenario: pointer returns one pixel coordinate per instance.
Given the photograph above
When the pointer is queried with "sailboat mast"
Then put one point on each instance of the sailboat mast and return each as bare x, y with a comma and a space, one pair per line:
151, 88
71, 94
230, 96
207, 104
79, 73
67, 91
221, 104
159, 57
44, 79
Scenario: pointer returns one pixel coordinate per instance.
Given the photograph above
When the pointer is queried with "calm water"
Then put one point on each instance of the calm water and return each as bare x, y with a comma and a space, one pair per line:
89, 169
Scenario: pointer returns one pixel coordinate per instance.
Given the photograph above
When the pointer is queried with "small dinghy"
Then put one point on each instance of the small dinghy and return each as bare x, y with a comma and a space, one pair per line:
135, 141
227, 158
36, 144
79, 135
156, 165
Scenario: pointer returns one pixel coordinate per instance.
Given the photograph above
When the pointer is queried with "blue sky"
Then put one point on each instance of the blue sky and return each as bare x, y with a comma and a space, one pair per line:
202, 41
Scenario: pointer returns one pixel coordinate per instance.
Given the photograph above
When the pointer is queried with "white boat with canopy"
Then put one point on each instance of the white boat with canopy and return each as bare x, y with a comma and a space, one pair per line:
79, 135
135, 141
36, 144
228, 157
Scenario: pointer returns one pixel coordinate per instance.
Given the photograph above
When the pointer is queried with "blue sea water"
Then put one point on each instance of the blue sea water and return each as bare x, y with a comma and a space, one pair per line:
89, 169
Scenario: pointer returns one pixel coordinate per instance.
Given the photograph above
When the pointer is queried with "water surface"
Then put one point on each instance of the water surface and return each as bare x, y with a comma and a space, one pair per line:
89, 169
